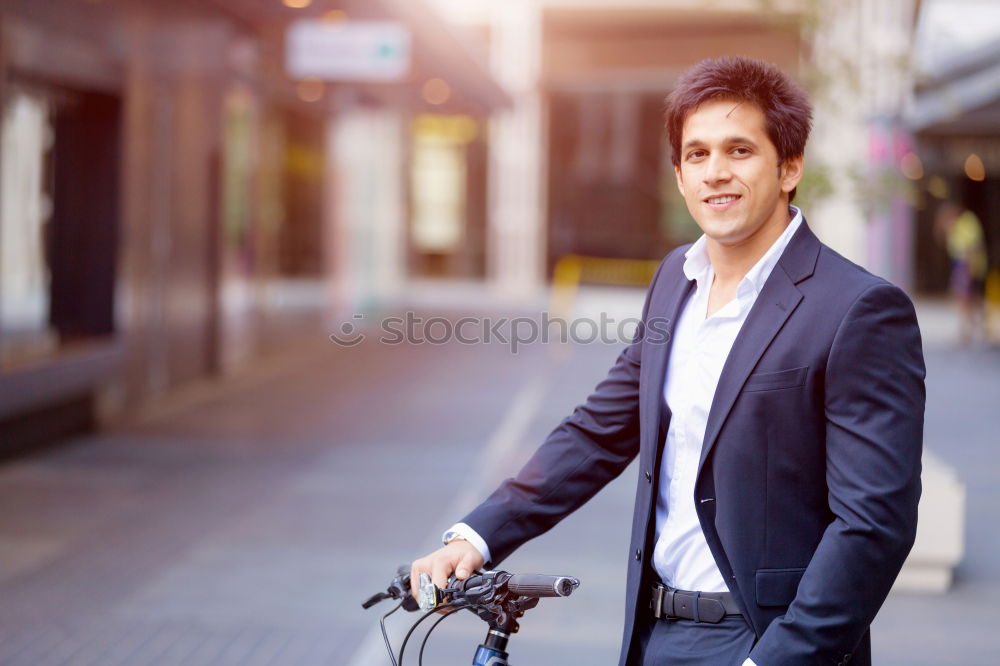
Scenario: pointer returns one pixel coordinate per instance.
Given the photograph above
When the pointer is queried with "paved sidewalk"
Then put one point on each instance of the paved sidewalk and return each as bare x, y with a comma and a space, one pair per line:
246, 526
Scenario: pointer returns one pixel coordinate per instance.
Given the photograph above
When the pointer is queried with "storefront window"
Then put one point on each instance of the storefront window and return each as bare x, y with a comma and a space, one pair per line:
25, 209
439, 181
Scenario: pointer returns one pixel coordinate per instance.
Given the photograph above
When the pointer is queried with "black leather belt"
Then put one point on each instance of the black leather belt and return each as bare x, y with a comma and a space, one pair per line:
670, 604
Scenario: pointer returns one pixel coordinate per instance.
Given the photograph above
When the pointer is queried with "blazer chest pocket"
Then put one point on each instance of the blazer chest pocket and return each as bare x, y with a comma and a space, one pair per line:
772, 381
777, 587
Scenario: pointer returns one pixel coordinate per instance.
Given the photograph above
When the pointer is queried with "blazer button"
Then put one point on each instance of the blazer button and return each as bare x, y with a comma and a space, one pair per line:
649, 477
638, 554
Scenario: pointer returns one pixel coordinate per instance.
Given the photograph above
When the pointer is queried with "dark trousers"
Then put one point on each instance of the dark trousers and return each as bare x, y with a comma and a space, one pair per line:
689, 643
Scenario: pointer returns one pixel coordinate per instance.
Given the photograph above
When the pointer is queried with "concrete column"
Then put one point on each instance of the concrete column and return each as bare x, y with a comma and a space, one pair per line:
365, 208
861, 50
838, 141
138, 292
516, 222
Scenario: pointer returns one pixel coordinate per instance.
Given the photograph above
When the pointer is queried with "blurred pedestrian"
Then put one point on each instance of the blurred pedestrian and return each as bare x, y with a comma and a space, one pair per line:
774, 396
961, 233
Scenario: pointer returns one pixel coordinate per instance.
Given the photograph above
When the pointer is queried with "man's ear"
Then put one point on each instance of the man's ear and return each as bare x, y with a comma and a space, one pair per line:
680, 181
790, 173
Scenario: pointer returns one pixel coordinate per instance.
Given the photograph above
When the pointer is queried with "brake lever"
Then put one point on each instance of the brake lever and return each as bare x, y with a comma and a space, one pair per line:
399, 588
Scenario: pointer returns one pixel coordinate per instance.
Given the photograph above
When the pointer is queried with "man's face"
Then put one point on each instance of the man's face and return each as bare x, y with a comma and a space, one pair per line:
729, 174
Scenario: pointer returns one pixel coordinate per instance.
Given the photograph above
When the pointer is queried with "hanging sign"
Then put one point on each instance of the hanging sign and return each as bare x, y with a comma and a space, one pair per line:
348, 50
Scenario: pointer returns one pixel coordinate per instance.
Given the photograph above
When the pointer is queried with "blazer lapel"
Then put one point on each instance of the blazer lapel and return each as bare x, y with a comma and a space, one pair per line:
775, 303
656, 352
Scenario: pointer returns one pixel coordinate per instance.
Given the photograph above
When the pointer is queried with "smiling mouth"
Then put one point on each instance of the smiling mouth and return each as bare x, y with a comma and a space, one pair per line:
722, 199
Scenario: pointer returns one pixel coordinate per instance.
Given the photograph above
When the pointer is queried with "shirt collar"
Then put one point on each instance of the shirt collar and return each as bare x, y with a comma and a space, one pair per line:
697, 262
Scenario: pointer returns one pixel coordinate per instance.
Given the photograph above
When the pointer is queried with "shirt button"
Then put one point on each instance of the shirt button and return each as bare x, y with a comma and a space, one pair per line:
649, 477
638, 554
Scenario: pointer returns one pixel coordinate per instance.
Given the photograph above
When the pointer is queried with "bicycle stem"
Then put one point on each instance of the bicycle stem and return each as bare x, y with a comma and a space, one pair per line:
492, 652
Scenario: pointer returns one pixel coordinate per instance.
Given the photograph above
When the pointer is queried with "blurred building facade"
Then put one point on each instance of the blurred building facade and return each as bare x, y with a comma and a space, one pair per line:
579, 166
955, 120
168, 185
176, 202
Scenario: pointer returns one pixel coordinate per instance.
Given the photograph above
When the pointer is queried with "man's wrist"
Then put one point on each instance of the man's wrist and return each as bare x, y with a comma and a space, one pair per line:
466, 533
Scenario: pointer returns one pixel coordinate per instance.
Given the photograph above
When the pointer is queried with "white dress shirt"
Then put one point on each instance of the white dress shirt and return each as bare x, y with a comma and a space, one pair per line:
699, 350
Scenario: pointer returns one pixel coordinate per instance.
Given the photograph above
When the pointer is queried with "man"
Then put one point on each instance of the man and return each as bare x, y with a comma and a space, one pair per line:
778, 430
961, 233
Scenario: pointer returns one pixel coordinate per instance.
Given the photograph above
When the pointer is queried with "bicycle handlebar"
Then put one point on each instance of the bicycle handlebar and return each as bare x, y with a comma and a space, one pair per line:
497, 597
542, 585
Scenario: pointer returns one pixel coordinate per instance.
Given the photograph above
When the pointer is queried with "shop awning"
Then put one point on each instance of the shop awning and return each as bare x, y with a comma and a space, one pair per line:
960, 97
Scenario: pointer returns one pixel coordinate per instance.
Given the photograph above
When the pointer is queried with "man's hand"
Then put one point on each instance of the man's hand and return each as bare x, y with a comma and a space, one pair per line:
459, 557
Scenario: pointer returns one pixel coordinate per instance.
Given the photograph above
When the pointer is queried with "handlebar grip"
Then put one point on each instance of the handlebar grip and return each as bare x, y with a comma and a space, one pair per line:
542, 585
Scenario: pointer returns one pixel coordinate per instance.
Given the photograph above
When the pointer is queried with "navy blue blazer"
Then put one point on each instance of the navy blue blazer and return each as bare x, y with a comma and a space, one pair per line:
809, 476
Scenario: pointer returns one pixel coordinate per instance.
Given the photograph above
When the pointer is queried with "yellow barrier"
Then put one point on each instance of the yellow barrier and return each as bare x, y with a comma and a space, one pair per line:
572, 269
992, 306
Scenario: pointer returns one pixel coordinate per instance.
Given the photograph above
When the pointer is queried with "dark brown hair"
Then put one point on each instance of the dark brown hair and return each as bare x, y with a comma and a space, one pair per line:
786, 109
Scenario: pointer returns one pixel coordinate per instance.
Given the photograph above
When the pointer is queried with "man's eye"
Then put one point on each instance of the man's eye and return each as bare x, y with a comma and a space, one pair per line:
741, 150
696, 154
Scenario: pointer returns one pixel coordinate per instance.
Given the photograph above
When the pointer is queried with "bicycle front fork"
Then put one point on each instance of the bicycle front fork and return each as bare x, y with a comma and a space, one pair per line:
491, 652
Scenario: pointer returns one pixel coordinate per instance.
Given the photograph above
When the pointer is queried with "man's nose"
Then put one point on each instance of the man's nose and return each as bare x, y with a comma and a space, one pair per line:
717, 169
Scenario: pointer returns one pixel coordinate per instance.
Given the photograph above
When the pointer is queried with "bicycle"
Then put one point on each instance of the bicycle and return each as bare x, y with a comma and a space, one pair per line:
499, 598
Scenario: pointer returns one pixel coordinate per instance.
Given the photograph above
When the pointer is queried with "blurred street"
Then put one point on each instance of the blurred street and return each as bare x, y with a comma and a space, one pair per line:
244, 523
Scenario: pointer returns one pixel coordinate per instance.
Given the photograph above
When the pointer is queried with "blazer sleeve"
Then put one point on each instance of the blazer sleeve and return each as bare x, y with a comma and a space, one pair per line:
580, 456
874, 408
